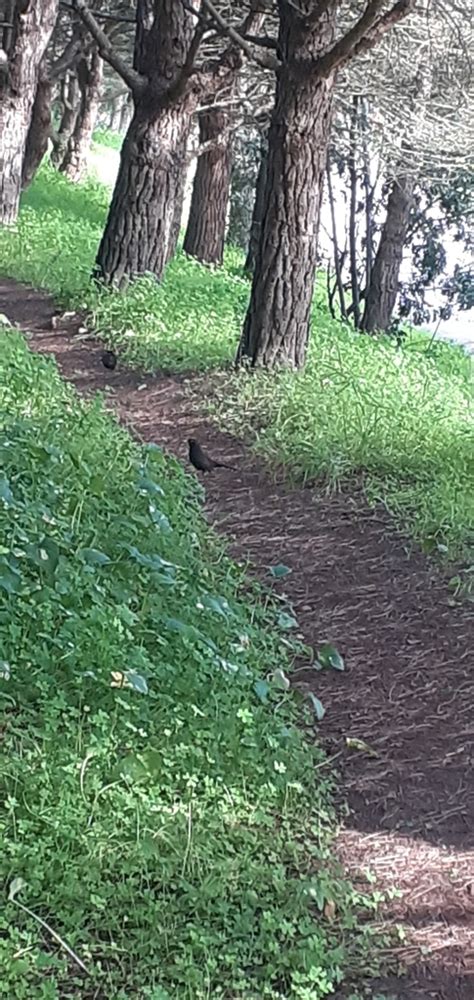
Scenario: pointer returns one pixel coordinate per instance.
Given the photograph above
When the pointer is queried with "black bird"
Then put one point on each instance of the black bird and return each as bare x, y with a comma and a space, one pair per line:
201, 461
109, 360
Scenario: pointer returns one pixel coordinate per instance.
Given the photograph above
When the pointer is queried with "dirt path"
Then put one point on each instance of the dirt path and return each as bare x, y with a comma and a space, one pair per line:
408, 690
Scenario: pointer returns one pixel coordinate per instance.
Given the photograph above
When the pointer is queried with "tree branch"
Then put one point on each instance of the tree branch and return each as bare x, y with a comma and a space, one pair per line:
69, 5
363, 36
67, 59
134, 80
266, 61
264, 40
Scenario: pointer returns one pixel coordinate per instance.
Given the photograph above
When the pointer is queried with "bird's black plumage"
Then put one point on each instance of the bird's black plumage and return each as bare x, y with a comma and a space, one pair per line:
109, 360
201, 461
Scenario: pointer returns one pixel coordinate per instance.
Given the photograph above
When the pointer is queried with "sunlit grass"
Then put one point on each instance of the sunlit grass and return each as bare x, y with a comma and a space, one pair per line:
400, 420
159, 801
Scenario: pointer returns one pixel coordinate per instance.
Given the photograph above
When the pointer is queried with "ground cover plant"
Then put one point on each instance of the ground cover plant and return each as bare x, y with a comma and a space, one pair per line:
399, 419
161, 809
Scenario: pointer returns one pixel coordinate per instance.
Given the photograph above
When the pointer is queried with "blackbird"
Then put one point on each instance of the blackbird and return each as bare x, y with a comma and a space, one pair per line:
109, 360
201, 461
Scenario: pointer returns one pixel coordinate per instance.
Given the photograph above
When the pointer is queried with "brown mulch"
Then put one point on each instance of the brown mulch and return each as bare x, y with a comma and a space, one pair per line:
408, 688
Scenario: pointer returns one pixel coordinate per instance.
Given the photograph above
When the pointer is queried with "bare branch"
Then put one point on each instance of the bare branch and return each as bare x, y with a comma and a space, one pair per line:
74, 49
267, 61
367, 31
263, 40
102, 16
134, 80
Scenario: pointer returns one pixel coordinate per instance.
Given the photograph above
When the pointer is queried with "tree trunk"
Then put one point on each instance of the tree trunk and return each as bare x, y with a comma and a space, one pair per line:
70, 99
89, 74
383, 289
141, 224
182, 173
258, 209
142, 218
115, 115
353, 212
39, 131
125, 113
276, 327
33, 26
205, 233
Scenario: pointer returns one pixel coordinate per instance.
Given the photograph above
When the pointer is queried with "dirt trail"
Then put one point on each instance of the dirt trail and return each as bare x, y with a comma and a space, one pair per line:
408, 688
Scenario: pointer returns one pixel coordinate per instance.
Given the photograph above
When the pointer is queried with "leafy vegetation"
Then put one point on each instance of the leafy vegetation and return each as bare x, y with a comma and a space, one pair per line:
106, 137
160, 806
400, 420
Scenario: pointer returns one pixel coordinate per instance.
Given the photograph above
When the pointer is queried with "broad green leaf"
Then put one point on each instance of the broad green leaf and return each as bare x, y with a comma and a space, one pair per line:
280, 680
5, 670
318, 707
94, 557
218, 604
160, 520
136, 681
5, 491
10, 579
279, 571
262, 689
149, 561
328, 656
146, 485
45, 555
286, 621
16, 886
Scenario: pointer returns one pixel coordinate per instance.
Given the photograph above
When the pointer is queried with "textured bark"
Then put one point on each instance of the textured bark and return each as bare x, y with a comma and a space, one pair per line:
89, 75
276, 327
178, 205
205, 233
126, 110
141, 223
353, 211
258, 209
33, 26
383, 289
70, 99
39, 131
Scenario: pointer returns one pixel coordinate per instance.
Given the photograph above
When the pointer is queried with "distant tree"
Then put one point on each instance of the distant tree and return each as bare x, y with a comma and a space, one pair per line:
206, 229
167, 86
403, 134
33, 22
89, 78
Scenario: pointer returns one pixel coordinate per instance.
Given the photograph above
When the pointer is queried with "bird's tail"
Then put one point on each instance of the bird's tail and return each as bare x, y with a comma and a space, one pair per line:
223, 465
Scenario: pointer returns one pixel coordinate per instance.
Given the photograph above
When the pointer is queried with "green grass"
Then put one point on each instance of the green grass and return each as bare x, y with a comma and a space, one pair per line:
399, 421
105, 137
173, 831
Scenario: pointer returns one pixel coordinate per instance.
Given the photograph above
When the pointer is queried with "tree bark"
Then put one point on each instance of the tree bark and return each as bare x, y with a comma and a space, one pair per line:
383, 289
205, 233
276, 327
39, 131
89, 75
33, 26
141, 224
353, 212
258, 209
70, 99
178, 205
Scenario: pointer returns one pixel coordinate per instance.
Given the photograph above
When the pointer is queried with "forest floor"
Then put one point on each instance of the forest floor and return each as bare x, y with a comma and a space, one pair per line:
398, 722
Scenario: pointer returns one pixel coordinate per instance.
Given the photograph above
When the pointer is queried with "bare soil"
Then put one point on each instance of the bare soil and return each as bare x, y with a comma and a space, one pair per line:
408, 689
